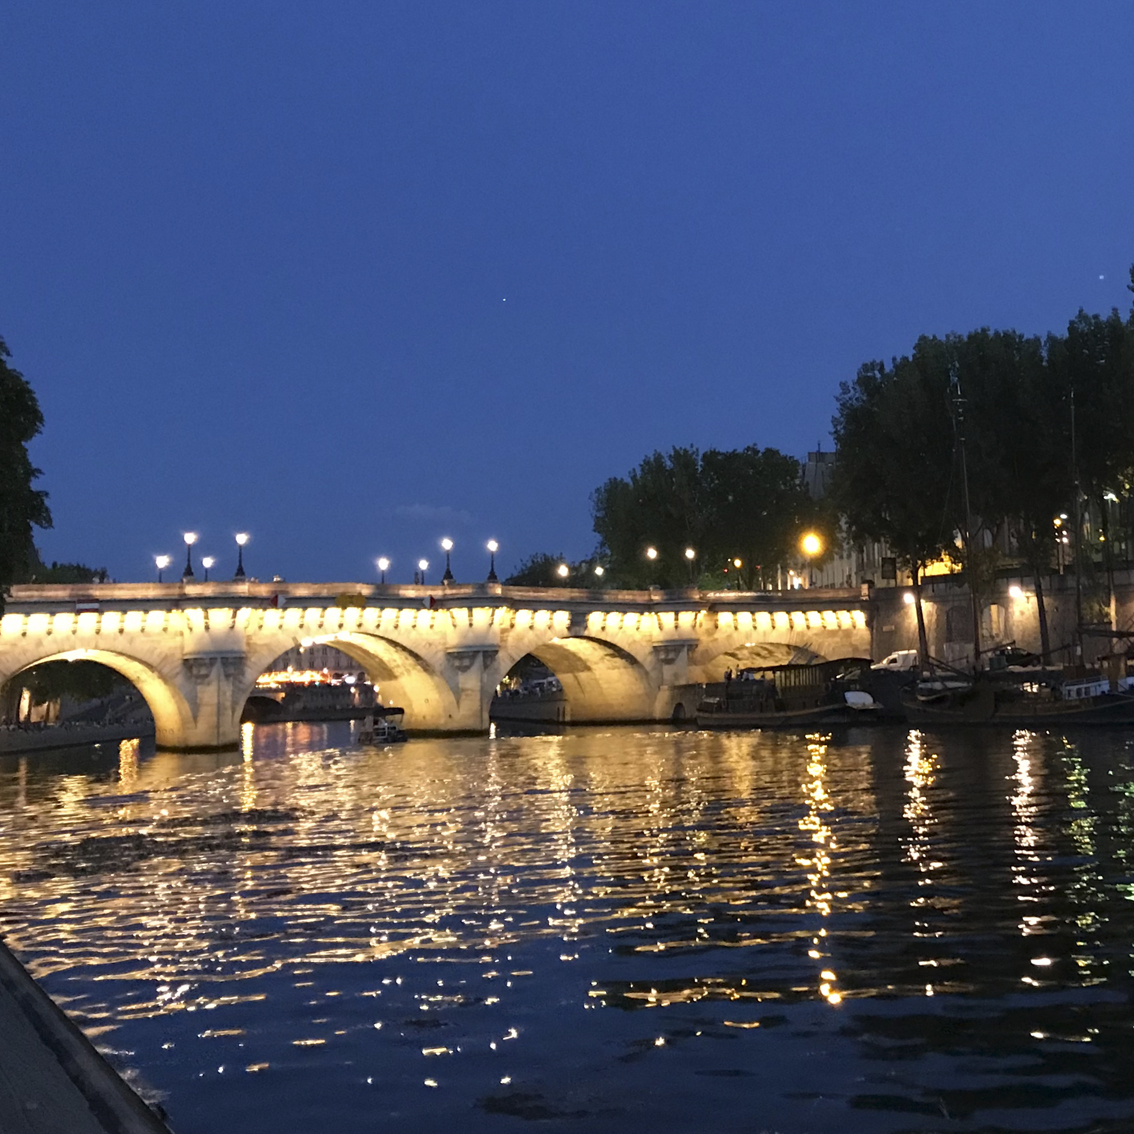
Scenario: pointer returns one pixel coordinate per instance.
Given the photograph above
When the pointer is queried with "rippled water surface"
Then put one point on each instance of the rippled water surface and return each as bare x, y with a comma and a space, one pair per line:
621, 930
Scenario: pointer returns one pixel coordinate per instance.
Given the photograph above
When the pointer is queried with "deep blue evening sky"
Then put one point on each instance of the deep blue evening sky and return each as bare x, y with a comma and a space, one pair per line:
358, 276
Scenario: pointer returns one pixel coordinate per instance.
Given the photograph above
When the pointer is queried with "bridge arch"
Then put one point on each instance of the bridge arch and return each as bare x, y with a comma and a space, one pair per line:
170, 710
601, 681
403, 676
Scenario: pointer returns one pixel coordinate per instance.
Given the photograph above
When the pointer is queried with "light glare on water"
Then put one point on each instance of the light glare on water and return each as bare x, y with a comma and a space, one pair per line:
603, 930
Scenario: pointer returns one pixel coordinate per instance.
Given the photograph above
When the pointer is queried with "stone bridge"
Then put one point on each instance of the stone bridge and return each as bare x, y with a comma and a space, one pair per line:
195, 650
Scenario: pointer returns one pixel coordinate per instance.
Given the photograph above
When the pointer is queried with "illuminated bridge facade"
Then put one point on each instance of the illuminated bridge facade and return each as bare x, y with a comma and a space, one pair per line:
195, 650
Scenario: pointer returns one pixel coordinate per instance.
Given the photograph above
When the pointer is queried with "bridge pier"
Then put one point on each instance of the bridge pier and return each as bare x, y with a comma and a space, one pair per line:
213, 689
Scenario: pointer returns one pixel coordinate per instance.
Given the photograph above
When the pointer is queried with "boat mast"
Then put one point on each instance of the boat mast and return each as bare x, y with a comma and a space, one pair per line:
1078, 537
967, 533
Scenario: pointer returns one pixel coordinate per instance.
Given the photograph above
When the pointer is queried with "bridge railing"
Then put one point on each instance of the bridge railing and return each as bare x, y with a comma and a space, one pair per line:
67, 596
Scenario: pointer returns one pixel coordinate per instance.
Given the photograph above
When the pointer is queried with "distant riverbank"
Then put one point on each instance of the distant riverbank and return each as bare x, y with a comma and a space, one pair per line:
38, 737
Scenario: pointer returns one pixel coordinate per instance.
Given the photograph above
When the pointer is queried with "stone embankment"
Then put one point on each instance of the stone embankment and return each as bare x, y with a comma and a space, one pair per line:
52, 1080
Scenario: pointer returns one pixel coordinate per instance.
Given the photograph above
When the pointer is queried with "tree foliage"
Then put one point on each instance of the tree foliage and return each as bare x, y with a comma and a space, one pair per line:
542, 570
66, 573
1041, 419
895, 441
22, 506
79, 680
748, 504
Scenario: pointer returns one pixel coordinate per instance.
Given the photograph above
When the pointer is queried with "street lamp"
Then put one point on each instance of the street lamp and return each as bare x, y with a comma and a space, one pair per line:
383, 563
447, 544
162, 562
690, 555
190, 538
207, 562
737, 564
563, 570
651, 557
493, 547
600, 570
810, 545
423, 566
241, 540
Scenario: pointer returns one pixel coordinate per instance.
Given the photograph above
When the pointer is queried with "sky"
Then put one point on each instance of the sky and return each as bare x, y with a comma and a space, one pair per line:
354, 277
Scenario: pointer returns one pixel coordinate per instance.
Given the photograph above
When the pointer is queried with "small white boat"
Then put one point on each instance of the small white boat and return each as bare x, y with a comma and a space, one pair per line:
383, 726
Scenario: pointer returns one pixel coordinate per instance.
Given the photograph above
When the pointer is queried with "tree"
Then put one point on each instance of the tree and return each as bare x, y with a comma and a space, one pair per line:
893, 477
65, 573
543, 570
758, 509
748, 504
1093, 367
1019, 459
661, 505
22, 506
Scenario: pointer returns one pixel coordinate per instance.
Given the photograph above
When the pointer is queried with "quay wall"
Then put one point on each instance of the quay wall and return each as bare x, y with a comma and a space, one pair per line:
1009, 614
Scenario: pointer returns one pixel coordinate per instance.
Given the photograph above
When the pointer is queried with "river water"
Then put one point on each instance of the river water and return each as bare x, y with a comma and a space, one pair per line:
606, 930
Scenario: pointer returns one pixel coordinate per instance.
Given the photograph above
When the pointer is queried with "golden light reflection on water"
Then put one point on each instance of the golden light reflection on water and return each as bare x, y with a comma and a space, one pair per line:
921, 848
128, 763
817, 862
345, 902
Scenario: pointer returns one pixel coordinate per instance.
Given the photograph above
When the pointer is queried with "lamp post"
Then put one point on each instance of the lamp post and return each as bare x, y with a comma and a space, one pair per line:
190, 538
423, 566
563, 570
162, 562
493, 547
810, 545
600, 570
737, 564
447, 578
651, 556
241, 540
207, 562
383, 563
690, 555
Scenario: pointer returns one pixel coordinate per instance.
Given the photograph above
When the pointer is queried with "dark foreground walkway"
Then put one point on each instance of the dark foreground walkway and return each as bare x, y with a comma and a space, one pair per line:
52, 1081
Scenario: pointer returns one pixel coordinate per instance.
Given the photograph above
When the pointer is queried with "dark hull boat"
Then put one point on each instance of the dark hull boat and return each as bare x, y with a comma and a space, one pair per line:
1034, 701
789, 696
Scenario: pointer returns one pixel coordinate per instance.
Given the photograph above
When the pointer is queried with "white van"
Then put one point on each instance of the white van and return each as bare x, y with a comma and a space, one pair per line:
901, 660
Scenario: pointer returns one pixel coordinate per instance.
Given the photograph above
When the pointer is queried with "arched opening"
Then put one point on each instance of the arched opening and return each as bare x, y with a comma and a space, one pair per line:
72, 690
574, 680
398, 676
316, 682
